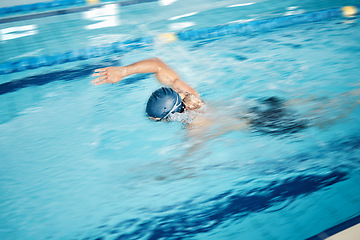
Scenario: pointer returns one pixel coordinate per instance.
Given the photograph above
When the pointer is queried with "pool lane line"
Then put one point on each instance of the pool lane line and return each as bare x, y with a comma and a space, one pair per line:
44, 5
189, 35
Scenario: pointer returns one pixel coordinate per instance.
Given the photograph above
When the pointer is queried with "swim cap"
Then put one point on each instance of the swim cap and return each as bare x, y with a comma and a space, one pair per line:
162, 102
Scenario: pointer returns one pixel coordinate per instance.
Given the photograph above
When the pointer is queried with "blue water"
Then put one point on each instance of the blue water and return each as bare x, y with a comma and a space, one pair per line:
82, 162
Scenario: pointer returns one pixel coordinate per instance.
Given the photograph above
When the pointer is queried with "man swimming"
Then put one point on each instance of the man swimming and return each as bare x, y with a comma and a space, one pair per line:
270, 115
178, 96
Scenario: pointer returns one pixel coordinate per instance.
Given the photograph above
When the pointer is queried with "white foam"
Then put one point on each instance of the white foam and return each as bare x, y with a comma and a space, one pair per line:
289, 13
243, 20
291, 8
184, 15
28, 54
241, 4
181, 25
105, 16
166, 2
17, 32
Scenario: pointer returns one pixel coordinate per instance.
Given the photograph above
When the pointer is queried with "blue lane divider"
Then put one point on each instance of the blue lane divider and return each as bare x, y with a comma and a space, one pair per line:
256, 26
210, 32
57, 7
40, 6
75, 55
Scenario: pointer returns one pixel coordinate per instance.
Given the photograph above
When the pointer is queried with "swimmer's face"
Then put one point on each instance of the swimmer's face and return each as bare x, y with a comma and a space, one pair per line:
160, 119
167, 119
155, 119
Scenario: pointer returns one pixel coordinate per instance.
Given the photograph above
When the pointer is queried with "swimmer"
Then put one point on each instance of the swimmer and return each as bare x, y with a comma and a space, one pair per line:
271, 115
177, 96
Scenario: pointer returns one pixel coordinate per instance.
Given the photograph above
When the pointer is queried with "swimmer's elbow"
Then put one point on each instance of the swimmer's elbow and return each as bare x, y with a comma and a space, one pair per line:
157, 64
157, 60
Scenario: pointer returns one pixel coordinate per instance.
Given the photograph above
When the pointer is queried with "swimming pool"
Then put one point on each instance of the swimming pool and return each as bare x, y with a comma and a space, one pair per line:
83, 162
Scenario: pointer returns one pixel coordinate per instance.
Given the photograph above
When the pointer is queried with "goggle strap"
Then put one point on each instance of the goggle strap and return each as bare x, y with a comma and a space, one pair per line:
176, 105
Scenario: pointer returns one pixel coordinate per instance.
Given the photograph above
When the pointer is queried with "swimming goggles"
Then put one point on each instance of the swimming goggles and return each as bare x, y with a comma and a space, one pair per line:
176, 105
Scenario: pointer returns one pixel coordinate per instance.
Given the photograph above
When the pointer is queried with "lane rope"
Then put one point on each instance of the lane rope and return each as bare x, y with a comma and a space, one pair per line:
188, 35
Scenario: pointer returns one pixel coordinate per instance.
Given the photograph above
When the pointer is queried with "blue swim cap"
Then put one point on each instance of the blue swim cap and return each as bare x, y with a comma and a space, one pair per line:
162, 102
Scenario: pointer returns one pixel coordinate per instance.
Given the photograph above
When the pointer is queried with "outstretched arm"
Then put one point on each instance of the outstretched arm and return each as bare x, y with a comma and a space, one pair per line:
164, 74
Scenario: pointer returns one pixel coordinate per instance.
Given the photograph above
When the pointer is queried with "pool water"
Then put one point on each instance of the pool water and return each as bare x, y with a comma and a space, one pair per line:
80, 161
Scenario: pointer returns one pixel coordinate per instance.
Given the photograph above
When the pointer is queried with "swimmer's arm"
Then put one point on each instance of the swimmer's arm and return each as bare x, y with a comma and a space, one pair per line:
164, 74
116, 74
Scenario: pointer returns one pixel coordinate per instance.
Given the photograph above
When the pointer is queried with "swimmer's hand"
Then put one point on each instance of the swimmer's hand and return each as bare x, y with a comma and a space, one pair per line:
109, 75
192, 102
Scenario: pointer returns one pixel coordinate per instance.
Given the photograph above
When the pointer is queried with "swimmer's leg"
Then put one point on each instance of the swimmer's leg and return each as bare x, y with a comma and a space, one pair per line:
322, 120
323, 108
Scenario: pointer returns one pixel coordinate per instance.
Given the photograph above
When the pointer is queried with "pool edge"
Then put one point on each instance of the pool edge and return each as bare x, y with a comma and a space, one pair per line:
339, 228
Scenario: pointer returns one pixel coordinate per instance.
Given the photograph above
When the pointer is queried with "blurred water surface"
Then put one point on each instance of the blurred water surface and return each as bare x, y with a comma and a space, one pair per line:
83, 162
